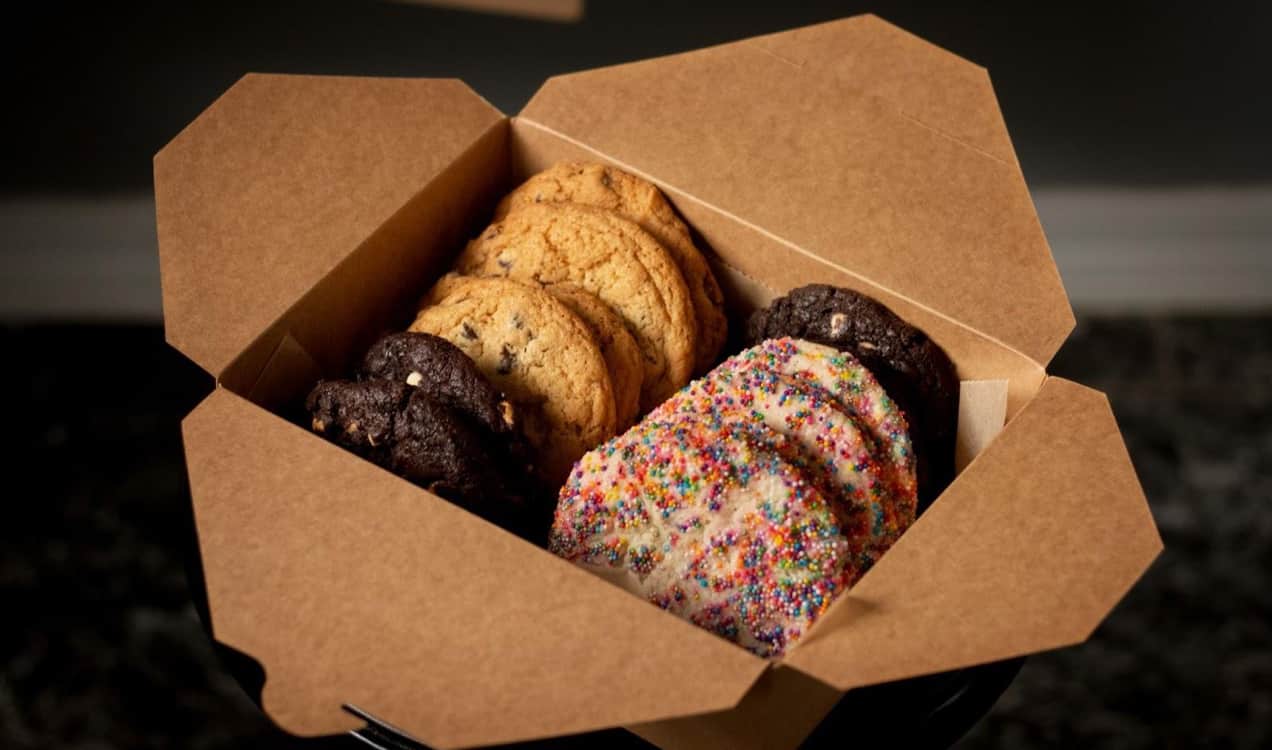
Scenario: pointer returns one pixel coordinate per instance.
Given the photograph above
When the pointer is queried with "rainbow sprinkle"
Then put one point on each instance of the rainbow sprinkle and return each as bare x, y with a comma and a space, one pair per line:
750, 499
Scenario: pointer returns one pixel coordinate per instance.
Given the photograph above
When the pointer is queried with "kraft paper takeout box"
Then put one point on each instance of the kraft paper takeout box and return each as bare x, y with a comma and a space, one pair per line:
300, 217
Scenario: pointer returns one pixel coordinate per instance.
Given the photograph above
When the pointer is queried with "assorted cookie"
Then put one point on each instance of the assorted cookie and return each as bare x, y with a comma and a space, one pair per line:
421, 409
749, 500
744, 501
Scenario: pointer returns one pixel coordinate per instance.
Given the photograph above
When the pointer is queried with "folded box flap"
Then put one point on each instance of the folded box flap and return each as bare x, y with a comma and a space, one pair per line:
934, 86
280, 179
352, 586
1027, 550
853, 141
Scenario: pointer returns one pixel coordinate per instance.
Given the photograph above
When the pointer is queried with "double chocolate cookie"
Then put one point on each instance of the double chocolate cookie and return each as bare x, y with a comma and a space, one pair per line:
913, 370
422, 410
440, 369
359, 416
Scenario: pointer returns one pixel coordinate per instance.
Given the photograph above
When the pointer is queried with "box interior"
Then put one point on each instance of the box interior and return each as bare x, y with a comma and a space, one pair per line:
376, 289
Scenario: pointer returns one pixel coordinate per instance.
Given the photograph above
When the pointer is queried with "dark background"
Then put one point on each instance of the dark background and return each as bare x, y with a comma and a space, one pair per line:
1124, 93
100, 646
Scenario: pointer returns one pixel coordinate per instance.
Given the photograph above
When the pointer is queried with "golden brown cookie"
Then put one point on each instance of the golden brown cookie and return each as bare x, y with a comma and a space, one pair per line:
629, 196
618, 346
538, 353
610, 257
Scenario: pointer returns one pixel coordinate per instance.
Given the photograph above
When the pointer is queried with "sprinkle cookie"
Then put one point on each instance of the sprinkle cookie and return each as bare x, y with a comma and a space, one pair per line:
747, 501
914, 369
706, 520
837, 419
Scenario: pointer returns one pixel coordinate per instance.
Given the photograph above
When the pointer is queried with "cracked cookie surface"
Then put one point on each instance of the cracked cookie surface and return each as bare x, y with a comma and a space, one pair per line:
638, 200
357, 416
426, 441
618, 346
610, 257
442, 370
538, 353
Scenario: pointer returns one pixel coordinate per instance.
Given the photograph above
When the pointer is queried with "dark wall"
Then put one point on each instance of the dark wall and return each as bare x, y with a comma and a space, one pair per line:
1121, 93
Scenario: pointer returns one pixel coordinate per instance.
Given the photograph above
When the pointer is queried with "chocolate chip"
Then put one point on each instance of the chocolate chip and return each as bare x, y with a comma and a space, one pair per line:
605, 179
504, 264
506, 360
469, 332
517, 322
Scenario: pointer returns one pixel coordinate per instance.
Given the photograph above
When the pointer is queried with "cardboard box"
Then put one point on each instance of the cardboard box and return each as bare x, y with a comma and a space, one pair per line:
300, 217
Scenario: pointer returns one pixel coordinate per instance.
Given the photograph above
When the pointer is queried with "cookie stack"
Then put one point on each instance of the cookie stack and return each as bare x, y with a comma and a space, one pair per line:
913, 369
747, 501
586, 302
419, 407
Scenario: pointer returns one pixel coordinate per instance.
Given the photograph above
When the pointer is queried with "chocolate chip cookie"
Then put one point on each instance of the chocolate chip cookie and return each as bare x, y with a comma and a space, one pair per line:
913, 370
610, 257
622, 355
629, 196
538, 353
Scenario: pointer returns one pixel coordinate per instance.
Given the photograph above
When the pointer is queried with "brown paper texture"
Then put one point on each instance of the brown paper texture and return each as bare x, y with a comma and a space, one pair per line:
1027, 550
299, 218
820, 159
279, 180
982, 409
351, 585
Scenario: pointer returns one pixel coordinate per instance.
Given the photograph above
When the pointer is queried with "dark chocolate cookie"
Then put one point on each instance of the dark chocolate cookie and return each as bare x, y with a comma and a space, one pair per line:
439, 368
439, 448
423, 410
357, 416
914, 371
442, 450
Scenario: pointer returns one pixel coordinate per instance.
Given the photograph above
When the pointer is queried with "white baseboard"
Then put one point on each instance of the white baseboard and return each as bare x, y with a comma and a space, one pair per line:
1120, 250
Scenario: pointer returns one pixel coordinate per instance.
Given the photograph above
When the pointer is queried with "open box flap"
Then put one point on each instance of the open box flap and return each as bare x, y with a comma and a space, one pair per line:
279, 180
938, 88
852, 141
1028, 550
351, 585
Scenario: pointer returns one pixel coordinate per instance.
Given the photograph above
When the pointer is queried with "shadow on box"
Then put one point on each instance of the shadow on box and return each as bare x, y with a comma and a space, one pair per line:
933, 711
403, 257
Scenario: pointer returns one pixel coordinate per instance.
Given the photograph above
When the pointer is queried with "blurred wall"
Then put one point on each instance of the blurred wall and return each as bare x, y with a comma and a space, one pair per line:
1142, 127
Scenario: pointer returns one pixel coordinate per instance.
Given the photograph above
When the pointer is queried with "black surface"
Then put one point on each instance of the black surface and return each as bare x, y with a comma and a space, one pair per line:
101, 647
1128, 93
